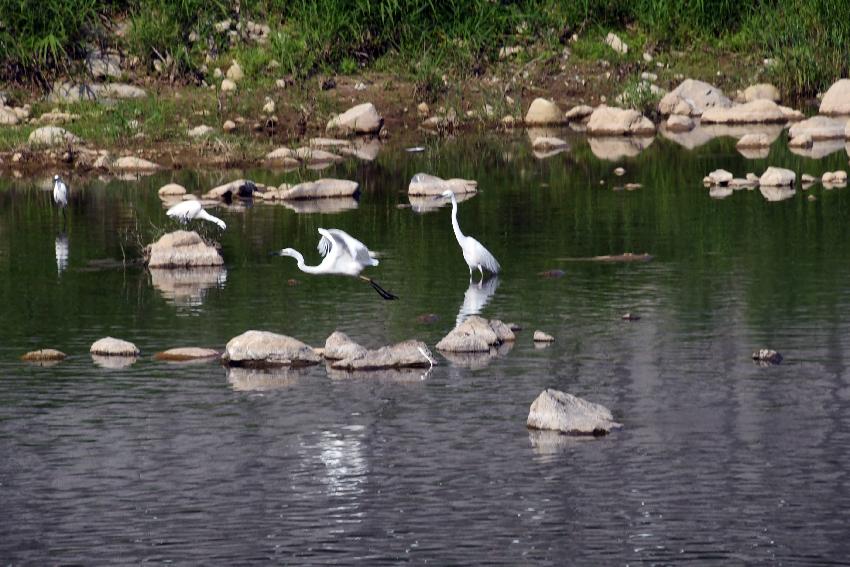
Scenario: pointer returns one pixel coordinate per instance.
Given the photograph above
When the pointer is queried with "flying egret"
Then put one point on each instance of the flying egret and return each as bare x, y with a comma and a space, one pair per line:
474, 253
60, 193
191, 210
344, 256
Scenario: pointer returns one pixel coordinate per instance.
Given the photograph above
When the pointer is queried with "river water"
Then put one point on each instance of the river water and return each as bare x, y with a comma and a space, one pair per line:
720, 459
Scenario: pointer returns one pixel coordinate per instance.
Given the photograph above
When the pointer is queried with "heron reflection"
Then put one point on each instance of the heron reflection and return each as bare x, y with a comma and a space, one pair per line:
477, 296
61, 246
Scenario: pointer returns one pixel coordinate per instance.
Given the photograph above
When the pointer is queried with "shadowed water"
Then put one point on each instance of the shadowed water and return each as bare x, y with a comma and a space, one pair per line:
719, 459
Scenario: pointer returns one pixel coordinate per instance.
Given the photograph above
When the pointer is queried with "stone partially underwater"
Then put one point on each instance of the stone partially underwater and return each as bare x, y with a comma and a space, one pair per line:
559, 411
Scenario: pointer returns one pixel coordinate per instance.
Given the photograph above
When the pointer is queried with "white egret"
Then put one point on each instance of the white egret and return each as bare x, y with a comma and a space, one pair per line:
344, 256
60, 193
191, 210
474, 253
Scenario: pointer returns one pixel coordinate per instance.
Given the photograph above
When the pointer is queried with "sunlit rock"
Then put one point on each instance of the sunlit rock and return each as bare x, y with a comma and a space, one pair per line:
361, 119
679, 123
693, 98
819, 128
612, 121
757, 111
339, 346
262, 348
559, 411
541, 337
777, 176
321, 189
110, 346
543, 111
185, 354
44, 355
182, 249
578, 113
836, 100
430, 185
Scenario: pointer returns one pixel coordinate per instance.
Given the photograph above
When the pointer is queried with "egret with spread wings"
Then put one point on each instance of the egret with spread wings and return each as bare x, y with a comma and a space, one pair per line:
343, 254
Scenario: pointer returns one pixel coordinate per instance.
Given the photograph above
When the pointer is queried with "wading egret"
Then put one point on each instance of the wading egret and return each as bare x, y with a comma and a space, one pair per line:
60, 193
191, 210
344, 256
474, 253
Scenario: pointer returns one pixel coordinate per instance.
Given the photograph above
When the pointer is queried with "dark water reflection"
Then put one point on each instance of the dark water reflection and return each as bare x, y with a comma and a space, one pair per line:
720, 459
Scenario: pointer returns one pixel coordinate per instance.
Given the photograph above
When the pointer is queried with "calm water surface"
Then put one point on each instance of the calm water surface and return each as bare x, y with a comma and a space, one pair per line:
719, 459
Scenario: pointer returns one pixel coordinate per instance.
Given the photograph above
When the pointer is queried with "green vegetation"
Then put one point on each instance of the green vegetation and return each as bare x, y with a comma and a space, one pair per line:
808, 39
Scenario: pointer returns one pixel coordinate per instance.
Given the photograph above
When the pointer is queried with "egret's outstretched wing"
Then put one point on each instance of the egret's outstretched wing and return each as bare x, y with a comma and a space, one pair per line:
324, 243
350, 245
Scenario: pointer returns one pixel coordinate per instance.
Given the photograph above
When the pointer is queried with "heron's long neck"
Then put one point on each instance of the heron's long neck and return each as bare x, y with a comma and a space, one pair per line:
206, 216
302, 266
458, 234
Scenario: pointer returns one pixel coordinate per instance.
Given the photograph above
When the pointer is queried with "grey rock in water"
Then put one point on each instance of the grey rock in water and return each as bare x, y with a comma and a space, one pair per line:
543, 111
559, 411
767, 355
361, 119
431, 186
720, 177
110, 346
182, 249
43, 355
476, 334
320, 189
406, 354
339, 346
777, 176
262, 348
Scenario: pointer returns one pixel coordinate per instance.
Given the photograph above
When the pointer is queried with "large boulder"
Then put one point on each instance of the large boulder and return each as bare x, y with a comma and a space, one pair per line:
757, 111
182, 249
262, 348
543, 111
476, 334
339, 346
693, 98
608, 120
559, 411
406, 354
761, 91
320, 189
430, 185
837, 98
777, 176
819, 128
109, 346
361, 119
52, 136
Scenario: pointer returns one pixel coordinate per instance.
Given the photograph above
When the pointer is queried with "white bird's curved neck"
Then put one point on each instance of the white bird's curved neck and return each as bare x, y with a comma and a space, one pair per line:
302, 266
202, 214
458, 234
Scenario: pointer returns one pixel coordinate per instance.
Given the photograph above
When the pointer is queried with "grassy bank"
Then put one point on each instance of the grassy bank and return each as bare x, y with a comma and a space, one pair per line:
41, 39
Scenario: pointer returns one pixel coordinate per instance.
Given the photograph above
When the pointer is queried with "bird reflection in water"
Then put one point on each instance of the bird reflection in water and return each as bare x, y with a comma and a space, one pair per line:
61, 246
477, 296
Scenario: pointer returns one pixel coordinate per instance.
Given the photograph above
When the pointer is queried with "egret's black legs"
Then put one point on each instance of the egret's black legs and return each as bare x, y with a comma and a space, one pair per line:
381, 291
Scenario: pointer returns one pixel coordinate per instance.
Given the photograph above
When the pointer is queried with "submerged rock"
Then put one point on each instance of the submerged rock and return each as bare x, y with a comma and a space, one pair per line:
109, 346
182, 249
406, 354
559, 411
836, 100
44, 355
262, 348
609, 120
543, 111
339, 346
361, 119
476, 334
183, 354
693, 98
430, 185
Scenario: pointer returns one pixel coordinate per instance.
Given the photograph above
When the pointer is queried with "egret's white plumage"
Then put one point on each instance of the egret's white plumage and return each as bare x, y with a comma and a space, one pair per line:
474, 253
60, 193
343, 254
192, 210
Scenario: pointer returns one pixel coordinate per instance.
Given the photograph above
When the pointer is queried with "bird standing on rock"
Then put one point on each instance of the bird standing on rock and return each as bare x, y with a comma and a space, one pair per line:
344, 256
474, 253
191, 210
